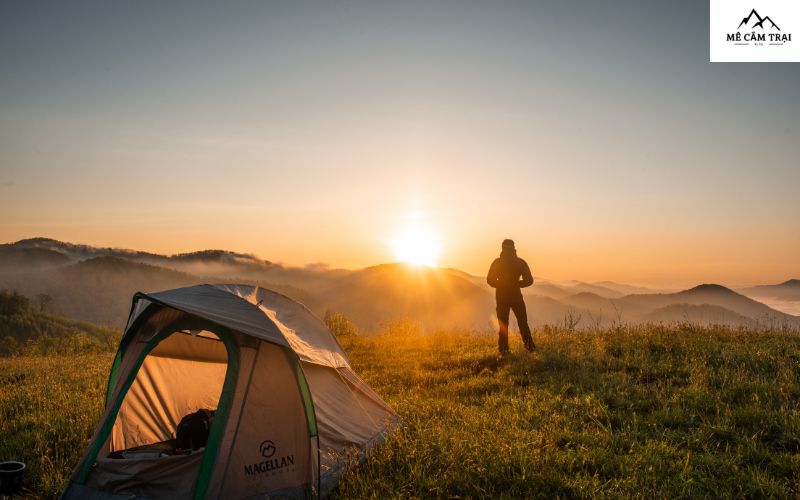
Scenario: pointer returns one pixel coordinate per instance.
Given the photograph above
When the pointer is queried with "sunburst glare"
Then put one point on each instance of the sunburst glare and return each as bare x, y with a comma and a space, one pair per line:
417, 244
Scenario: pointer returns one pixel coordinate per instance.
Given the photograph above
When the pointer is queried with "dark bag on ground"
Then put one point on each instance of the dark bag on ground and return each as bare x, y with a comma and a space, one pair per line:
192, 431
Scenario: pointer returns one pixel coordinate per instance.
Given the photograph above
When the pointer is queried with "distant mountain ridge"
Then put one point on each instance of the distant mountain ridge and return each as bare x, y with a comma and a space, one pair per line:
76, 251
215, 264
96, 284
714, 295
788, 290
703, 314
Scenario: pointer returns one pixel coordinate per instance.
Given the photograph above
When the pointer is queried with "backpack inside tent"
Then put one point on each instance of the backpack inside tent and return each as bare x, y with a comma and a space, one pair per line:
228, 391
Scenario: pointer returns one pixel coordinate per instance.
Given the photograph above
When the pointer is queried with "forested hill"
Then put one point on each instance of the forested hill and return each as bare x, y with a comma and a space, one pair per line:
26, 329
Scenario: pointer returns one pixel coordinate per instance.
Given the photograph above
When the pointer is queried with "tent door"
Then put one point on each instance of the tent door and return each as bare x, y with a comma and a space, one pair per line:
189, 365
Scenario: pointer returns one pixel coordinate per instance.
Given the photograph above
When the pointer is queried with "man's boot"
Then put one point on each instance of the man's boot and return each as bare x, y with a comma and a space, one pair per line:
502, 342
527, 339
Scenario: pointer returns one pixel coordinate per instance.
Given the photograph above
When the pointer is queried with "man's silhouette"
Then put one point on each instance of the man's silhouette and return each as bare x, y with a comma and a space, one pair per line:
507, 275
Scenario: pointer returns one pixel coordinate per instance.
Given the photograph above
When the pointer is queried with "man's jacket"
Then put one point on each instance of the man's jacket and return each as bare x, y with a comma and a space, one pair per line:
508, 274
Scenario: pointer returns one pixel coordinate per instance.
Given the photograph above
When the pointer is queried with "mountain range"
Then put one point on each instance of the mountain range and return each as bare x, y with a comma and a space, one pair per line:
96, 284
788, 290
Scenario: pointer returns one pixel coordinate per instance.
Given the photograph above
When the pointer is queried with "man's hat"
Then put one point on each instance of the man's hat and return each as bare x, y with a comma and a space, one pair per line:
508, 243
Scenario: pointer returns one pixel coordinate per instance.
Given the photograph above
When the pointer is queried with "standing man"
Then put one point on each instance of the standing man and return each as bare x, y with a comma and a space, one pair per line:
507, 276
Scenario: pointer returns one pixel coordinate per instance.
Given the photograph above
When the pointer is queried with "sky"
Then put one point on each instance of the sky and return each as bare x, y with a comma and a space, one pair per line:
595, 134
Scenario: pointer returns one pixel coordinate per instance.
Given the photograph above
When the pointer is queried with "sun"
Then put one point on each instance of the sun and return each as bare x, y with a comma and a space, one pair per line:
418, 245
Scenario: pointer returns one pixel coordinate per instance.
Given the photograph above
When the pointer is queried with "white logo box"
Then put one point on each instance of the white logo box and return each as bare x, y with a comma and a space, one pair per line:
771, 33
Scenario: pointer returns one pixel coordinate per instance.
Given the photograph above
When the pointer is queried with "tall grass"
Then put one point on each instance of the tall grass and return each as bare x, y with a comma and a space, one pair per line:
49, 406
640, 411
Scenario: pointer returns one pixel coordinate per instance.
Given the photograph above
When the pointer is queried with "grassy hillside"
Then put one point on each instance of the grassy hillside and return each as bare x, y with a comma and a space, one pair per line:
629, 412
643, 412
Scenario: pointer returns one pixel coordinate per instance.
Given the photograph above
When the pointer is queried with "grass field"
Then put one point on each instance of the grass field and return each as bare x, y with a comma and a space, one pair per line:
639, 412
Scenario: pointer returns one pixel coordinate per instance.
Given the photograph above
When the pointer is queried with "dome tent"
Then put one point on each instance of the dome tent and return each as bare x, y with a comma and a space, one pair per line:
290, 411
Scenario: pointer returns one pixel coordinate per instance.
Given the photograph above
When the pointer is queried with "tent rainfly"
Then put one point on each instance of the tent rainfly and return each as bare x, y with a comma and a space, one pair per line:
287, 412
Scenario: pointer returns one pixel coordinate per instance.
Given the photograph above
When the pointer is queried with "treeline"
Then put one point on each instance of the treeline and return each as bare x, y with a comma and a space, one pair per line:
27, 330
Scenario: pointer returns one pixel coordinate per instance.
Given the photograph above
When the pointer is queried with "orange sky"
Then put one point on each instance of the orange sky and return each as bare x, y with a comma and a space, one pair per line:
621, 252
315, 135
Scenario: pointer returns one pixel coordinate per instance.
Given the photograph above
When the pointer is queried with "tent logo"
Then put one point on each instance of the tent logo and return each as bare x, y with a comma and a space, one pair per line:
267, 449
758, 31
271, 464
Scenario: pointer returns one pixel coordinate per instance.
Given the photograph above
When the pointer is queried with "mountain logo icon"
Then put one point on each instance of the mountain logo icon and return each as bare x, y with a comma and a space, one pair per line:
758, 21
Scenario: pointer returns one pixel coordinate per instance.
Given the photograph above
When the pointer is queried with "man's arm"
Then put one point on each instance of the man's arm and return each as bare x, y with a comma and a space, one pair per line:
527, 276
491, 278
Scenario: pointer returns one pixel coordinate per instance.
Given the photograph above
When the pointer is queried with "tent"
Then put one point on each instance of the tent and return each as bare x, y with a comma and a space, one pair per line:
290, 413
